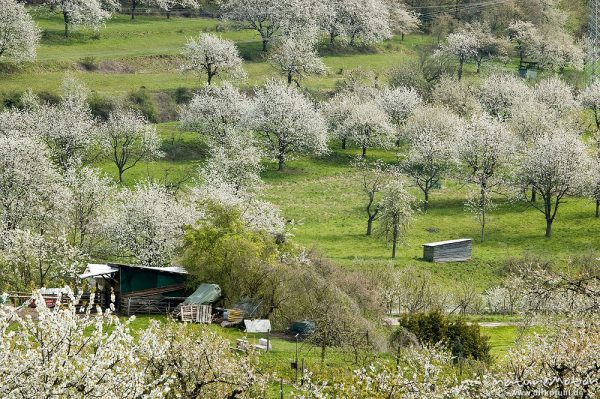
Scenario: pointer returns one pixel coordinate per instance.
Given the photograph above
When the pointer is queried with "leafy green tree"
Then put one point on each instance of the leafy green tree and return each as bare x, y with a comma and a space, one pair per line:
464, 340
221, 250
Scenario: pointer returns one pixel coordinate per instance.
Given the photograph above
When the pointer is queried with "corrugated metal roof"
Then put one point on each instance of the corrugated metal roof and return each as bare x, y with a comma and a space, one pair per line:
168, 269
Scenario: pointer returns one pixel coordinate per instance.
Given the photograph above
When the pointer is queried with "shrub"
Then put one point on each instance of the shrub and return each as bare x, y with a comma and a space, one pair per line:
464, 340
101, 107
48, 97
89, 63
183, 95
11, 100
141, 101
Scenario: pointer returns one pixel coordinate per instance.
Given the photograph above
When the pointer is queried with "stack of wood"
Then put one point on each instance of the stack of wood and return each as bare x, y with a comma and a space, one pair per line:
235, 316
196, 313
448, 251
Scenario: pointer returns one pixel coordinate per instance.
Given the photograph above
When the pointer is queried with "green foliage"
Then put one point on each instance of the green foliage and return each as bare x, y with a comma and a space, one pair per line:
89, 63
463, 339
222, 251
141, 101
11, 100
183, 95
101, 107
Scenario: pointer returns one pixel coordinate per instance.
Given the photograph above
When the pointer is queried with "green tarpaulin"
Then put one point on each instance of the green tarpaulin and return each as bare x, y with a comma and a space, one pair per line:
205, 294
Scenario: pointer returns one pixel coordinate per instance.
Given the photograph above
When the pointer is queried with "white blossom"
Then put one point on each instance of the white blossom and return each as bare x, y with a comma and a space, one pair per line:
147, 223
257, 214
92, 13
212, 56
462, 45
458, 96
431, 132
71, 352
90, 196
19, 35
500, 93
486, 148
554, 166
556, 94
237, 161
288, 122
127, 138
396, 213
272, 17
30, 187
402, 20
217, 110
297, 56
399, 103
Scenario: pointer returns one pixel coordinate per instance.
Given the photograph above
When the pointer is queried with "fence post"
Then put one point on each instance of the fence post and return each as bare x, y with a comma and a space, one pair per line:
128, 306
281, 388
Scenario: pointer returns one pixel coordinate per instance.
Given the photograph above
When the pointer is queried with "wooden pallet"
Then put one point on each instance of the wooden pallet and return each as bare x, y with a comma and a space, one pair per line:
196, 313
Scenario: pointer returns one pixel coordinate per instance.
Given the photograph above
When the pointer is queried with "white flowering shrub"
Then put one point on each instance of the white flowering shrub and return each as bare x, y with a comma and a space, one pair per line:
19, 35
72, 352
147, 223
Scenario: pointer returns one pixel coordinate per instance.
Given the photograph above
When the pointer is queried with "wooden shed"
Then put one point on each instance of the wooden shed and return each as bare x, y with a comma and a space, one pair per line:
139, 289
448, 251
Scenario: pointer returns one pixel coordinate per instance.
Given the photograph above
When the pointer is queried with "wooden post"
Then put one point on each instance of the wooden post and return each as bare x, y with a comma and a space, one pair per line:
281, 388
302, 379
128, 306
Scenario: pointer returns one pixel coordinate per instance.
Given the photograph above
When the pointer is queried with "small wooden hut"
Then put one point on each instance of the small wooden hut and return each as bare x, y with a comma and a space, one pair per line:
448, 251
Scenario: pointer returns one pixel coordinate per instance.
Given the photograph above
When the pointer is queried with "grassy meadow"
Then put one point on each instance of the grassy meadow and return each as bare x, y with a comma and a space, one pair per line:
321, 195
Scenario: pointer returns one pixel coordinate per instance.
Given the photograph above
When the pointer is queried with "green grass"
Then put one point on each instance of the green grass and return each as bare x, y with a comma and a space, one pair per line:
321, 195
145, 53
501, 339
324, 198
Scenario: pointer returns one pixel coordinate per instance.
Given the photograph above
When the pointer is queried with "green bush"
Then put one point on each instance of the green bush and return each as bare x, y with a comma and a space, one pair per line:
11, 100
141, 101
89, 63
101, 107
464, 340
183, 95
48, 97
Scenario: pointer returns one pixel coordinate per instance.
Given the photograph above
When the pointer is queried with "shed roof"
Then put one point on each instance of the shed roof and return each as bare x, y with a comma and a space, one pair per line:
95, 269
168, 269
433, 244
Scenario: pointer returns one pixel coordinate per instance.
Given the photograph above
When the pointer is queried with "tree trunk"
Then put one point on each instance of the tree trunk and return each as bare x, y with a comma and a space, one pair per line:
344, 143
370, 226
66, 20
479, 65
265, 45
482, 225
395, 241
281, 163
331, 38
597, 208
133, 6
210, 77
364, 151
121, 171
426, 201
289, 78
402, 36
168, 14
533, 194
460, 68
549, 228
